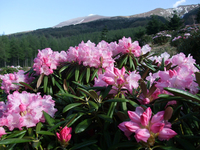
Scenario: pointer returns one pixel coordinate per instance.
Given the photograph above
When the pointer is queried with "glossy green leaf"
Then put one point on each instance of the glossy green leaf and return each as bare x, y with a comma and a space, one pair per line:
184, 94
82, 75
73, 118
53, 80
132, 66
117, 100
94, 105
38, 126
15, 140
106, 91
83, 125
94, 74
26, 85
123, 61
16, 133
63, 68
134, 104
111, 109
105, 117
48, 118
70, 73
88, 75
83, 144
69, 95
45, 83
185, 144
77, 73
56, 125
70, 106
45, 133
60, 87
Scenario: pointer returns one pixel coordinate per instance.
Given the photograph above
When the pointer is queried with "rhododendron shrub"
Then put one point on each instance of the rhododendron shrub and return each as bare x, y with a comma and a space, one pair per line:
102, 95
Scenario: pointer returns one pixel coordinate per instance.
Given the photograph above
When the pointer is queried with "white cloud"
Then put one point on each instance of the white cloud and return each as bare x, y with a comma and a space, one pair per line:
178, 3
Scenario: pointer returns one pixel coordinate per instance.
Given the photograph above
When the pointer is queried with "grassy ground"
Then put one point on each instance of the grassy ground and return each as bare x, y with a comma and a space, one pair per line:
159, 49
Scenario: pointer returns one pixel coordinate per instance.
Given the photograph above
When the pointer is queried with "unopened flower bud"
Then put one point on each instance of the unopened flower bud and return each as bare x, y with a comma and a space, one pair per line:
168, 113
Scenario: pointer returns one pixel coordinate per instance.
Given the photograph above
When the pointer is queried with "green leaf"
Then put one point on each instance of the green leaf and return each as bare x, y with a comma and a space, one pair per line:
16, 133
70, 73
117, 100
132, 66
48, 118
63, 68
83, 125
45, 83
134, 104
88, 75
15, 140
124, 145
94, 74
123, 60
45, 133
105, 117
111, 109
56, 125
26, 85
69, 95
74, 117
70, 106
149, 66
184, 94
60, 87
106, 91
53, 80
117, 137
83, 144
77, 73
82, 75
94, 105
38, 127
185, 144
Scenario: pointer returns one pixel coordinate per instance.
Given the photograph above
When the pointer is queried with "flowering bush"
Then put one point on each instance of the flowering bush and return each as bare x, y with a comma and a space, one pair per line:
107, 96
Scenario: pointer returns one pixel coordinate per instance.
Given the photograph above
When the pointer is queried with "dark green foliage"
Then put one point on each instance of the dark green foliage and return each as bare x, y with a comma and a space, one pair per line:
191, 45
153, 25
175, 22
198, 15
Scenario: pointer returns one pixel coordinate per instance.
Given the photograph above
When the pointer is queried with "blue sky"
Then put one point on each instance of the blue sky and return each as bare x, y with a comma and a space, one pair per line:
25, 15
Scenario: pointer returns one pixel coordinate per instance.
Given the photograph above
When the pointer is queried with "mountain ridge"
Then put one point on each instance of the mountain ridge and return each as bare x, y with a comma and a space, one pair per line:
166, 13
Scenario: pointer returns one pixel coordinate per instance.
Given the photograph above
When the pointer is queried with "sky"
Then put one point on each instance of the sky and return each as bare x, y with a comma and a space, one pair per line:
26, 15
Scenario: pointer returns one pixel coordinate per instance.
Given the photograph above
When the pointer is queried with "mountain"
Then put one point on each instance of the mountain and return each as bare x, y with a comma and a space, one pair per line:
80, 20
166, 13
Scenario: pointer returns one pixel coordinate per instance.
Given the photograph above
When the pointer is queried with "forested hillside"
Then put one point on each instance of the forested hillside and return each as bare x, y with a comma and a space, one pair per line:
22, 48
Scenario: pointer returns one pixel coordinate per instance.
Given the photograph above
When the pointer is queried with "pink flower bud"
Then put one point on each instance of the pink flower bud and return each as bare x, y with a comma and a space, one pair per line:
117, 71
146, 116
108, 80
157, 127
120, 81
64, 136
166, 134
142, 135
22, 107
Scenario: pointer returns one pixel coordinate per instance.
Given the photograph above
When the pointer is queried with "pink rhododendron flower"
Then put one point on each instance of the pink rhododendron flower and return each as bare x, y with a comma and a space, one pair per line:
45, 62
16, 77
90, 55
147, 127
2, 131
125, 45
20, 110
64, 136
118, 79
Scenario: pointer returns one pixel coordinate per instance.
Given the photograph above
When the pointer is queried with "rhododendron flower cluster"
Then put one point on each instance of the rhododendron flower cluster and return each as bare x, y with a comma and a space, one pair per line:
16, 77
90, 55
147, 127
64, 136
25, 109
118, 79
45, 62
125, 45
